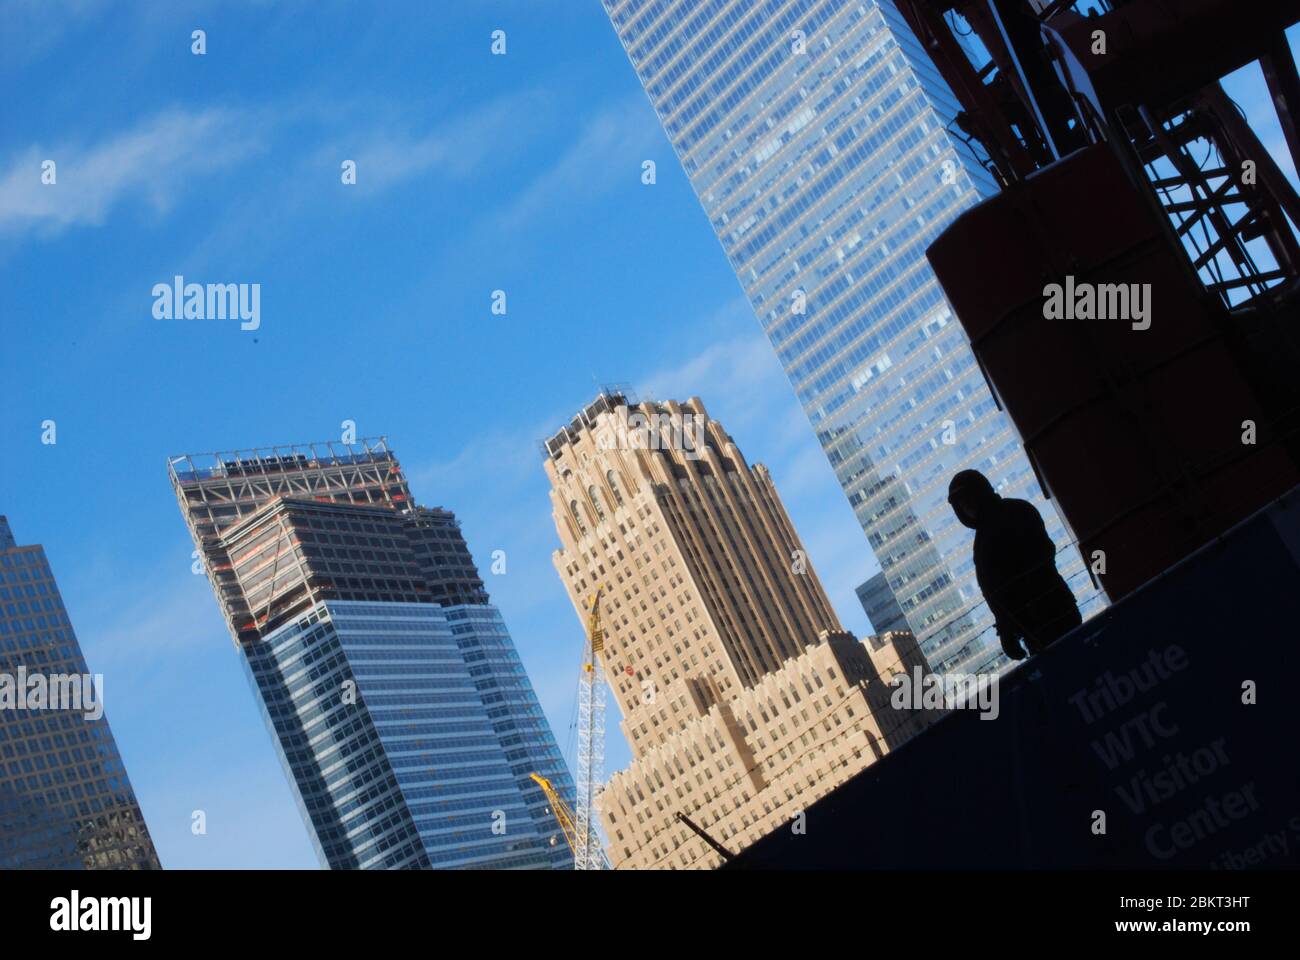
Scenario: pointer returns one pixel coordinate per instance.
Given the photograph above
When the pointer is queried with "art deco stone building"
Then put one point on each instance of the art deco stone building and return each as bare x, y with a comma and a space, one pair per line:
743, 699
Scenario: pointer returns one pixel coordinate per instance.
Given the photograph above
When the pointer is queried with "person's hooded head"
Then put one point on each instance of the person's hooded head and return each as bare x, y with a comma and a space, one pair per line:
970, 494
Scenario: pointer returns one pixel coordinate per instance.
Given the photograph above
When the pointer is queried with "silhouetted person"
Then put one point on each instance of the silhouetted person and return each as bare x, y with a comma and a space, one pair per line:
1015, 565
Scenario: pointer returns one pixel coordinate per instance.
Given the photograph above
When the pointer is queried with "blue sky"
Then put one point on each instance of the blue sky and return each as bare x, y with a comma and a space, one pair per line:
475, 173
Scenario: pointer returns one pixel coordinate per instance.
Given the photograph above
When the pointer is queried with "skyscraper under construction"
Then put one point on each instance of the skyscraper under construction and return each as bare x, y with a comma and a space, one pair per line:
397, 703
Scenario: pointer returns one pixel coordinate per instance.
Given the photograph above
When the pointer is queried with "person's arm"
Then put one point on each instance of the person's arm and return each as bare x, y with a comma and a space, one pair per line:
1035, 536
1013, 649
1003, 622
1008, 541
1006, 628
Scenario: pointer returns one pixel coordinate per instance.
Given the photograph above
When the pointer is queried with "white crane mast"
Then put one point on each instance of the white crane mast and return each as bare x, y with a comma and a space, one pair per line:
588, 852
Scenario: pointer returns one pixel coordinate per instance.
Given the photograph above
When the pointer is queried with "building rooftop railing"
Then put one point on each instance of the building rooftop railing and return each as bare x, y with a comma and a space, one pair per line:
610, 398
191, 467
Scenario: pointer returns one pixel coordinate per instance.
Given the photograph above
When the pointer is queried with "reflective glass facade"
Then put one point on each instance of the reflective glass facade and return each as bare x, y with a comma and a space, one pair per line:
395, 697
815, 135
881, 606
381, 721
516, 716
65, 799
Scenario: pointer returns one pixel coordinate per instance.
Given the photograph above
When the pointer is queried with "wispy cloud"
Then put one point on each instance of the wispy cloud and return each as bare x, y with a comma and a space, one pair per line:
457, 148
154, 162
159, 625
42, 24
737, 376
609, 148
395, 146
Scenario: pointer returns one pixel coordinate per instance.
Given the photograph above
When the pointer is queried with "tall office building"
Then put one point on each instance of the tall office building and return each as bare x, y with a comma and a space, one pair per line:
820, 141
743, 700
880, 605
65, 799
395, 698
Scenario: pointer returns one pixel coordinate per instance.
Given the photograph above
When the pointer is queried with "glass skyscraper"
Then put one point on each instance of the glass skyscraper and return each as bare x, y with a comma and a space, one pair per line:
395, 698
880, 605
65, 799
819, 139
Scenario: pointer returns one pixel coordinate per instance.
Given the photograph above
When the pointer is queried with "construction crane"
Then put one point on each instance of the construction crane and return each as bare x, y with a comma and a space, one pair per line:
588, 852
580, 828
560, 809
568, 826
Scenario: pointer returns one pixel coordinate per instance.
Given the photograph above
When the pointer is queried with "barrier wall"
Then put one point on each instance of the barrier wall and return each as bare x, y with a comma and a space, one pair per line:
1140, 715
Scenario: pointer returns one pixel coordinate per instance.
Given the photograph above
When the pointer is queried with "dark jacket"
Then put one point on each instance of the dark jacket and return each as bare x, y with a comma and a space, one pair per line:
1015, 565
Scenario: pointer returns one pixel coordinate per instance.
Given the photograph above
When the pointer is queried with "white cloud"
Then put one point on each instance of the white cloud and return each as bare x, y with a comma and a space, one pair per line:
176, 615
43, 24
456, 149
610, 148
153, 162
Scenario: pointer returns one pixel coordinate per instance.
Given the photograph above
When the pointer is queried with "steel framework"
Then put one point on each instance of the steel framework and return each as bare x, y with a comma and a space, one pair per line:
1125, 164
217, 490
588, 851
1154, 96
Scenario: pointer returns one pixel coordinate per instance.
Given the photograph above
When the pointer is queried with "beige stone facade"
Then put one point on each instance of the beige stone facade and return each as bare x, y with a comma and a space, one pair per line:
742, 698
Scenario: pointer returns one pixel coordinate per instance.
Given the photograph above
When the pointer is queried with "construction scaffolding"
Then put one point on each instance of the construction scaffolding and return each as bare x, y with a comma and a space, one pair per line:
217, 491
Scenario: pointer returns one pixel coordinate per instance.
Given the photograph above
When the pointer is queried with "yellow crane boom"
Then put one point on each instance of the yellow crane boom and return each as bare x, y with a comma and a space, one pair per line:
560, 809
595, 629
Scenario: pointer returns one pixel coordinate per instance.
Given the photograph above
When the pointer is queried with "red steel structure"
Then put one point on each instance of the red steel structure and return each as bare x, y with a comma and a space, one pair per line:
1129, 177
